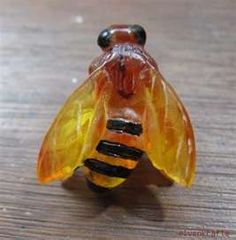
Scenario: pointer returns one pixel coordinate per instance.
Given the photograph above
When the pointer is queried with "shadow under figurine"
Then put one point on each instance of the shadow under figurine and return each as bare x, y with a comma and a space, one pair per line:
125, 109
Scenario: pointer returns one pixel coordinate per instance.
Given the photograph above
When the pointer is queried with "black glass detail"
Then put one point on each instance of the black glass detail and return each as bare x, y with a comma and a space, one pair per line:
115, 149
107, 169
95, 188
104, 38
124, 126
139, 33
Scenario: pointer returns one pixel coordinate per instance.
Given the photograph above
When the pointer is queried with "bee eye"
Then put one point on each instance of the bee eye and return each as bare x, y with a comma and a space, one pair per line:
104, 38
139, 33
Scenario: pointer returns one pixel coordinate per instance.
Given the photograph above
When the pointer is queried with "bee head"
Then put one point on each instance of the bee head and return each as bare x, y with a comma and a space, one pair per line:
118, 34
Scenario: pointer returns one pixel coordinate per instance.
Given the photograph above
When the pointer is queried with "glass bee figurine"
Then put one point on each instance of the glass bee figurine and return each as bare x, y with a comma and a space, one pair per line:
125, 109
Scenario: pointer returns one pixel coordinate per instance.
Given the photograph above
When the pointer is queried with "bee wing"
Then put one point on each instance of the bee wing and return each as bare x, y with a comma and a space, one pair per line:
75, 130
168, 134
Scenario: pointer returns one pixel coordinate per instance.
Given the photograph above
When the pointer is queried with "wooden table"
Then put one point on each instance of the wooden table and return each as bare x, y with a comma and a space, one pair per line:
45, 50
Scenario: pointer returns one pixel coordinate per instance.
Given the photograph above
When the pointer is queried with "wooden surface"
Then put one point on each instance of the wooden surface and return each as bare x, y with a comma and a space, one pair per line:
45, 50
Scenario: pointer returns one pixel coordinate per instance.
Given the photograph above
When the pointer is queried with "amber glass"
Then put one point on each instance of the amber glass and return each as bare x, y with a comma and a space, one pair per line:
124, 83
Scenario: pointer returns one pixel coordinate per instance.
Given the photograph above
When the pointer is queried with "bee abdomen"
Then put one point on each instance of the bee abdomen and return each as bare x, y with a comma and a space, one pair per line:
114, 159
96, 188
107, 169
116, 149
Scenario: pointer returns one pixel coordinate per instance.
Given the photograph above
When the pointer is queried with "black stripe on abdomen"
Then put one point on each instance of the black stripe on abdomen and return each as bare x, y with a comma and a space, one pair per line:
107, 169
121, 125
115, 149
96, 188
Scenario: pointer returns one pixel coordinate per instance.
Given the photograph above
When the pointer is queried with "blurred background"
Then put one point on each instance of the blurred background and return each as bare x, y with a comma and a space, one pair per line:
45, 50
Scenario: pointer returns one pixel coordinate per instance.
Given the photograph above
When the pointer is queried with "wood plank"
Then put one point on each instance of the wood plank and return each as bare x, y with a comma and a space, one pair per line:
45, 51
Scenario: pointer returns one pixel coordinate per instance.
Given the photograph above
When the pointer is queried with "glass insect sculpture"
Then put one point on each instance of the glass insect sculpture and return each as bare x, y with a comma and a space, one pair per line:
124, 109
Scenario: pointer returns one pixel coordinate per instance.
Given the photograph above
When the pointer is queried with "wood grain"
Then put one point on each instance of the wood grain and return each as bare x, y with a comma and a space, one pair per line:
45, 50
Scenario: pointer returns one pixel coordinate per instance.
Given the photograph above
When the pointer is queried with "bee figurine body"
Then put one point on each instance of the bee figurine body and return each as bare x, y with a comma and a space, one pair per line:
123, 110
